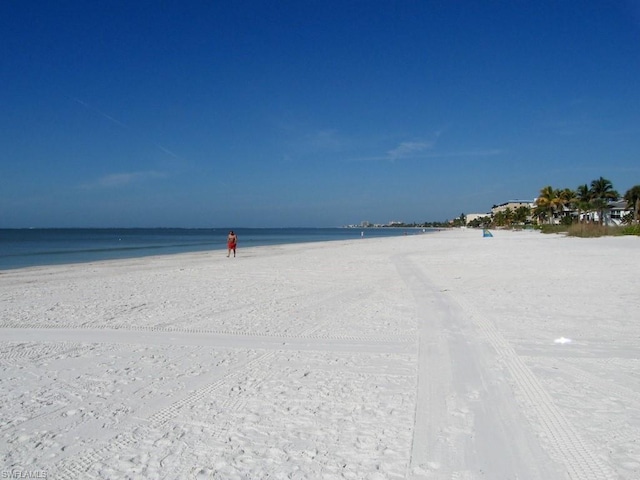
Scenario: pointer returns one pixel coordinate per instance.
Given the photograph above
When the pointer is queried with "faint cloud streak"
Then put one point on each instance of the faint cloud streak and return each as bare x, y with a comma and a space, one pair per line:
408, 150
118, 180
419, 151
120, 124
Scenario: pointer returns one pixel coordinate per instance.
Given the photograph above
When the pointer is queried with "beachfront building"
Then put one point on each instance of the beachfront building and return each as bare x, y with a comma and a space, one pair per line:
513, 205
614, 214
513, 212
617, 211
470, 217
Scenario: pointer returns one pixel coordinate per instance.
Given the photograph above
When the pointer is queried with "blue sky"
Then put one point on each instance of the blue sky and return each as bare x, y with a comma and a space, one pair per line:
309, 113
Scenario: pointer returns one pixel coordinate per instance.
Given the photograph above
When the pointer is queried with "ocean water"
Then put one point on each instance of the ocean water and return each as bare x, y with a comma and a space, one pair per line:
50, 246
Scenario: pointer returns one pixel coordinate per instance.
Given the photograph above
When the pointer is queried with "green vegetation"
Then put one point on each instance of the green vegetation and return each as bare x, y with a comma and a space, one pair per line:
578, 213
581, 212
481, 222
632, 197
591, 230
574, 212
631, 230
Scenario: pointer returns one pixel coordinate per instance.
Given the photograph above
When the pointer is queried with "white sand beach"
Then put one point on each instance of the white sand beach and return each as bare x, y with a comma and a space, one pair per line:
438, 356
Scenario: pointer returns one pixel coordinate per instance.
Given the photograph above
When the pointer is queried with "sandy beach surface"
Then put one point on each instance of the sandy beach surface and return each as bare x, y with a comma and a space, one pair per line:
437, 356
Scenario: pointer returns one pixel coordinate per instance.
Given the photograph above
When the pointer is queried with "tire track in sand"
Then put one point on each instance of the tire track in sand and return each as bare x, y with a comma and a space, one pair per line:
564, 443
431, 453
496, 440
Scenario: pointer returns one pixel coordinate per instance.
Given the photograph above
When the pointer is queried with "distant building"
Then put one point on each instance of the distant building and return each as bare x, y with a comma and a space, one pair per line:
513, 205
470, 217
613, 215
618, 210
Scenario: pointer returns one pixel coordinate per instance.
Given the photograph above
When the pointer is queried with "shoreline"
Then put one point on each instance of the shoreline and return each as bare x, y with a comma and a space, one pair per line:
417, 357
189, 255
91, 245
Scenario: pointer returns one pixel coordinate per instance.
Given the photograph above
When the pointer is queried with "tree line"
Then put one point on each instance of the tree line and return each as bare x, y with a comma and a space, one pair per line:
570, 206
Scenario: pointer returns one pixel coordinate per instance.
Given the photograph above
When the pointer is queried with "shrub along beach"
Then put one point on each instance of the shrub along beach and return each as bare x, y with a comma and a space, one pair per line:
593, 210
439, 356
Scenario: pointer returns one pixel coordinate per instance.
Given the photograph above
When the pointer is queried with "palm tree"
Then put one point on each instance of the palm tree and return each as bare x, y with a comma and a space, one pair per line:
632, 196
540, 213
602, 192
498, 219
508, 216
522, 214
566, 200
547, 203
583, 199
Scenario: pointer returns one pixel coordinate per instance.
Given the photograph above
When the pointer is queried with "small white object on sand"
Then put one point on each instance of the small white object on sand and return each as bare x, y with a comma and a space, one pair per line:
562, 340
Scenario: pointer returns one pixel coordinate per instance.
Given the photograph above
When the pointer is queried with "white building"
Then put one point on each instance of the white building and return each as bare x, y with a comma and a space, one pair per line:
513, 205
470, 217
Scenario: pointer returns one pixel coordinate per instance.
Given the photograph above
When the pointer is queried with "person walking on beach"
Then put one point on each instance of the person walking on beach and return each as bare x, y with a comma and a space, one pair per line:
232, 241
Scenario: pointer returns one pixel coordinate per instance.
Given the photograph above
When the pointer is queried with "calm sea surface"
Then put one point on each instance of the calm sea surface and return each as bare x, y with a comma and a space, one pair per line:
32, 247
